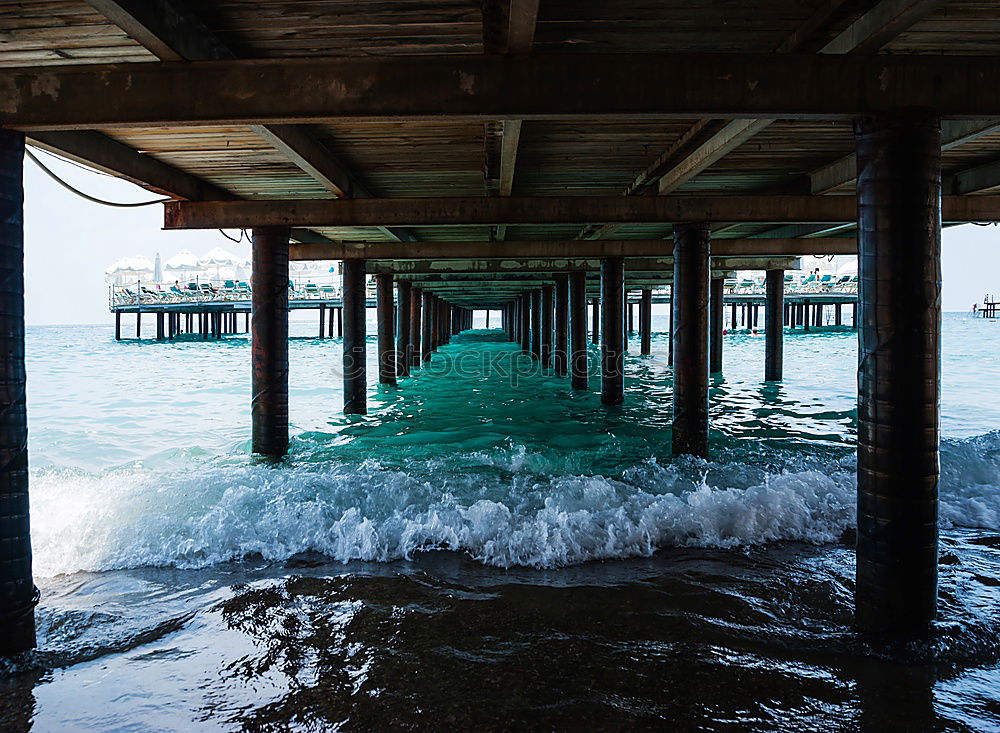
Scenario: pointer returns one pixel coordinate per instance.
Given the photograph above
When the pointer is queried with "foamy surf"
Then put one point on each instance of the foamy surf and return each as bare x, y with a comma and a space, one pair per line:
503, 509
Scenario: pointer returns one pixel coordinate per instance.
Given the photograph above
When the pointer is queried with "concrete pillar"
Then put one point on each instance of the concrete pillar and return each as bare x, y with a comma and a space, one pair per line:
340, 321
578, 324
355, 374
386, 329
118, 326
545, 350
18, 595
138, 325
413, 347
269, 341
646, 322
774, 306
612, 325
691, 278
899, 257
715, 325
561, 354
322, 320
805, 314
403, 310
160, 332
426, 338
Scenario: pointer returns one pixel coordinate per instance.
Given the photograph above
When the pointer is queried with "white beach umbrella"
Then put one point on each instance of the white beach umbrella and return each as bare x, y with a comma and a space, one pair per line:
849, 268
183, 261
221, 262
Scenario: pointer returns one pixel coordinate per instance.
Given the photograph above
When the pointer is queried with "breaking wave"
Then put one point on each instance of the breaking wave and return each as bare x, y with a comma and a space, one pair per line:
504, 508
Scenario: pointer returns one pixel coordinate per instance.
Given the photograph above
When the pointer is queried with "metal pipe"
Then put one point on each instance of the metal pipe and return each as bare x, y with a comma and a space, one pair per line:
355, 336
691, 278
899, 255
774, 306
269, 341
612, 326
18, 595
386, 329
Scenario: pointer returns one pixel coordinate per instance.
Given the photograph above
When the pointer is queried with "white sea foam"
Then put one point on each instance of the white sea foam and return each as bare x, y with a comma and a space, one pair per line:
509, 514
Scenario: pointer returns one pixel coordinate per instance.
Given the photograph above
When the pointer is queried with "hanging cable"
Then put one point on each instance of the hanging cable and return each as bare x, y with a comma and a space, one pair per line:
87, 196
243, 234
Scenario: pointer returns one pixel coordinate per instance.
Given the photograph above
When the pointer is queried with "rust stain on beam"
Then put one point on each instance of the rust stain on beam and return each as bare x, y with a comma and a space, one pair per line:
569, 248
567, 86
541, 210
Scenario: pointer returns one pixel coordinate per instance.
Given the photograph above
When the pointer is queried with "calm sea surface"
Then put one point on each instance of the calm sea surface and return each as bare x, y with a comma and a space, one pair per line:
486, 549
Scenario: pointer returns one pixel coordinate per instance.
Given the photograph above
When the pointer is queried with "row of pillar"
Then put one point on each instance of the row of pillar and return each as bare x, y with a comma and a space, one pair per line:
170, 324
899, 317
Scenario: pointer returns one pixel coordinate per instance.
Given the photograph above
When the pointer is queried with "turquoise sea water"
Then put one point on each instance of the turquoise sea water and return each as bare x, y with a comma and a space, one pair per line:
487, 529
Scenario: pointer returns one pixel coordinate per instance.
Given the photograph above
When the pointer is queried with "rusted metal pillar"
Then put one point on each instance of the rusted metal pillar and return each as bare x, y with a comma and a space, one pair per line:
355, 373
413, 347
774, 307
386, 329
525, 328
691, 278
560, 354
426, 345
899, 256
646, 322
403, 346
612, 325
545, 352
18, 595
595, 318
536, 323
715, 325
578, 326
269, 341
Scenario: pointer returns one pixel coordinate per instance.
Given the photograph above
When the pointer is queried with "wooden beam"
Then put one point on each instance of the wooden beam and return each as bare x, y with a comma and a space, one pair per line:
560, 86
172, 34
983, 177
843, 171
96, 150
540, 210
880, 25
569, 249
694, 152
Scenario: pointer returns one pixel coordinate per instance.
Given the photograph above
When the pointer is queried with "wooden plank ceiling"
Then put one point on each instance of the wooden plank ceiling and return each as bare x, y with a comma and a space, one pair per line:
540, 158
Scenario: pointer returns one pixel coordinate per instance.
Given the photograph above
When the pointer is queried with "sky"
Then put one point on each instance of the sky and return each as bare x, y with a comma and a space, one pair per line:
70, 241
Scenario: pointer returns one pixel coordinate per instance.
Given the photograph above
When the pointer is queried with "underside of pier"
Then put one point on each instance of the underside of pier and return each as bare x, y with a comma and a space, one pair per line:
529, 156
